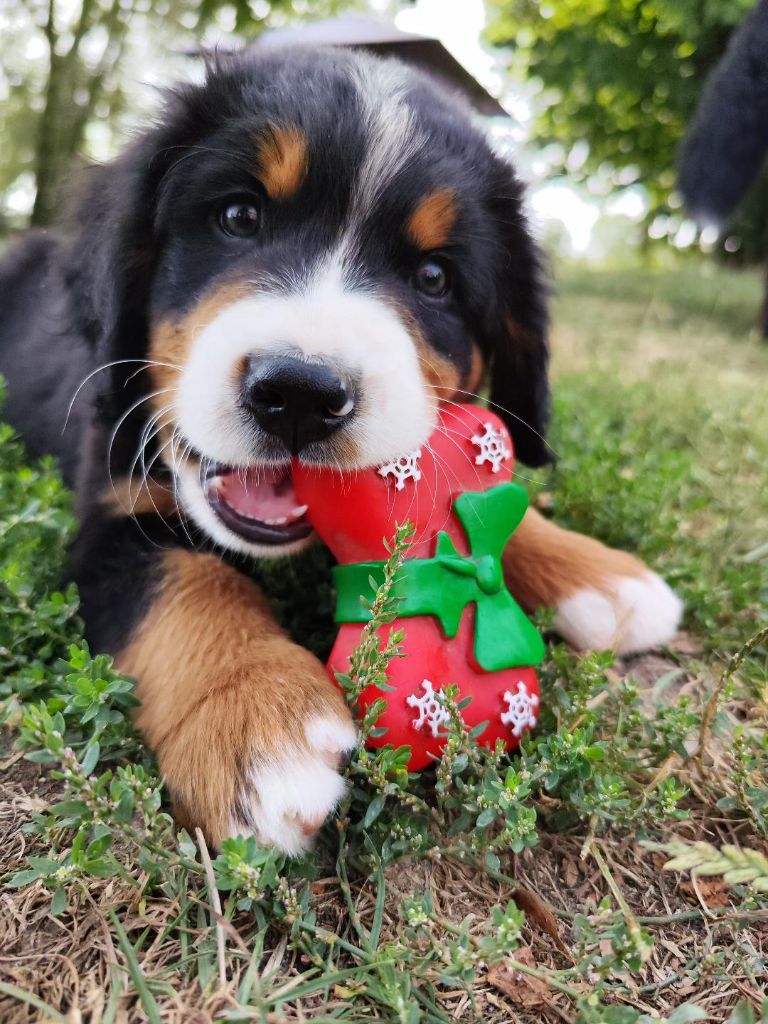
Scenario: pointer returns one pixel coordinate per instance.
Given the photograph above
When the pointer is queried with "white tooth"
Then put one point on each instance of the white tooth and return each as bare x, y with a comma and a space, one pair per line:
279, 522
299, 511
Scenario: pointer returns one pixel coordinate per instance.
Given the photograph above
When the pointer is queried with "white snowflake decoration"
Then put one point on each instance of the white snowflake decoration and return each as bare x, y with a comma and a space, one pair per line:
521, 709
402, 469
432, 713
493, 447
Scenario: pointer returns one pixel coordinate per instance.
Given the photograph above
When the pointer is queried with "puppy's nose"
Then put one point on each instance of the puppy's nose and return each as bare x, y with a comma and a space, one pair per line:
296, 401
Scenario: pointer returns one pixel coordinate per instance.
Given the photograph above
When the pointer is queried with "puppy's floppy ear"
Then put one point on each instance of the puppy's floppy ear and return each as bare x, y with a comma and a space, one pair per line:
110, 261
517, 329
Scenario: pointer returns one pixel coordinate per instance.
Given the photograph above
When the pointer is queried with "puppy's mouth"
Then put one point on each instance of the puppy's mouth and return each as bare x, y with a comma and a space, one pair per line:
258, 503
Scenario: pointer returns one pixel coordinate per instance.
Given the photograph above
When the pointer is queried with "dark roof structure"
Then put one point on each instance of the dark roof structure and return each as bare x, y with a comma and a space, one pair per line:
380, 36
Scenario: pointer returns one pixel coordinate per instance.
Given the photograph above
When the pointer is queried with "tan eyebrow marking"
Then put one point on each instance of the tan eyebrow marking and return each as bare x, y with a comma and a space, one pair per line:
283, 159
431, 223
172, 340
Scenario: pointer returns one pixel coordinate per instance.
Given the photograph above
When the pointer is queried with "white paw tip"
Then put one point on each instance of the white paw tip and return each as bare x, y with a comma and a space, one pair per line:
331, 733
632, 614
287, 798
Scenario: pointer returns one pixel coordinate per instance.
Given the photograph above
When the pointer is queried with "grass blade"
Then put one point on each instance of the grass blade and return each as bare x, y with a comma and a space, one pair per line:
31, 1000
381, 892
137, 975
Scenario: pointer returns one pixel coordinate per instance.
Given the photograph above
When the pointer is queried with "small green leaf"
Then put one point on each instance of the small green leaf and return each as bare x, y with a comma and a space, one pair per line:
486, 817
492, 861
22, 878
375, 807
59, 902
98, 846
44, 865
91, 757
69, 808
742, 1014
125, 806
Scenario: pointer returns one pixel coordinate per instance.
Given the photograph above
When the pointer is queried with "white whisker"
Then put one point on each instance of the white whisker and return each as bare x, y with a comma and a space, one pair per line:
116, 362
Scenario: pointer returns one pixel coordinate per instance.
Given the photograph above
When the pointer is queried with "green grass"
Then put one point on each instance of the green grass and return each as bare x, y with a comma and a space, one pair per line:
663, 411
489, 889
679, 296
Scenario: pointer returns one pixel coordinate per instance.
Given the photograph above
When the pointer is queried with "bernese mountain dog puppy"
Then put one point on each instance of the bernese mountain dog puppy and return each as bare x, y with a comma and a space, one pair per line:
301, 258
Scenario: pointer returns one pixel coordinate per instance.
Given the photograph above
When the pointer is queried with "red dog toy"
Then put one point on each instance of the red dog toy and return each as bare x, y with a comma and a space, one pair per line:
462, 626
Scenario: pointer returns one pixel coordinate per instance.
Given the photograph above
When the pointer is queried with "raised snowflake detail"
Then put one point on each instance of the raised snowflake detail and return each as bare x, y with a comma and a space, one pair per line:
521, 713
493, 447
402, 469
432, 713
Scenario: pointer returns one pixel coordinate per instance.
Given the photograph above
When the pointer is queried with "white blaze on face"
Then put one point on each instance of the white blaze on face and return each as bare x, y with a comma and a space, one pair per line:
329, 319
353, 329
393, 138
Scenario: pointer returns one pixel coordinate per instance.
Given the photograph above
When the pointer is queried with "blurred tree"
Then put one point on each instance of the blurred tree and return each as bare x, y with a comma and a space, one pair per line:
622, 76
64, 64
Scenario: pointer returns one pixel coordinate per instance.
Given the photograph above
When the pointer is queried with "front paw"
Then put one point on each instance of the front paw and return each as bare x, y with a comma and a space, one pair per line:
265, 765
626, 614
286, 793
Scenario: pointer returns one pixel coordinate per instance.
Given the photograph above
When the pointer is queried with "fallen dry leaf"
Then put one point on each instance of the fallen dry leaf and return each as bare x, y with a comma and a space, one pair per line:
714, 891
570, 873
657, 859
537, 912
521, 989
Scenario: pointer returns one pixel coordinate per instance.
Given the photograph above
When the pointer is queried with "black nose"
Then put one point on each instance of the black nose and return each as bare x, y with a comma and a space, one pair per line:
297, 401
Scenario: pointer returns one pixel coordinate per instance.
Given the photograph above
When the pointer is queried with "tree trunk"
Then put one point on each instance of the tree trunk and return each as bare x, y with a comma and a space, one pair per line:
48, 157
45, 148
62, 123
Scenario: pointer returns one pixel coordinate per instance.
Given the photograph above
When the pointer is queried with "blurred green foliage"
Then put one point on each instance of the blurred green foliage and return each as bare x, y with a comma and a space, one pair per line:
623, 76
69, 70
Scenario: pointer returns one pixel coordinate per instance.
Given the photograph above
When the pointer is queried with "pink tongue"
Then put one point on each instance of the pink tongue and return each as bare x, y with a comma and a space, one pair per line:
261, 494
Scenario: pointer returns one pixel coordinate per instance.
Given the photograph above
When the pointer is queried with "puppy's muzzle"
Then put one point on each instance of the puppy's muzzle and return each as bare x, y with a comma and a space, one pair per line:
298, 402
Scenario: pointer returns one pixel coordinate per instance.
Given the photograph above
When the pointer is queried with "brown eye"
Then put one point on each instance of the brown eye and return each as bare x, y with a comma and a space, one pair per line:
240, 219
432, 278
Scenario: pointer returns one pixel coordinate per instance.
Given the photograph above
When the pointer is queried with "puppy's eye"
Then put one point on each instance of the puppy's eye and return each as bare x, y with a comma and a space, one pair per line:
239, 218
432, 278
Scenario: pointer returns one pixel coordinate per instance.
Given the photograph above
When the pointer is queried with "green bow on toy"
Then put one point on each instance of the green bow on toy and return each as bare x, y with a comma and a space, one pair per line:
444, 585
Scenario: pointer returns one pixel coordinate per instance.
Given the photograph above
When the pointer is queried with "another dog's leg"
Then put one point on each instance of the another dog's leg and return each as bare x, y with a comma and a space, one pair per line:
602, 598
248, 728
